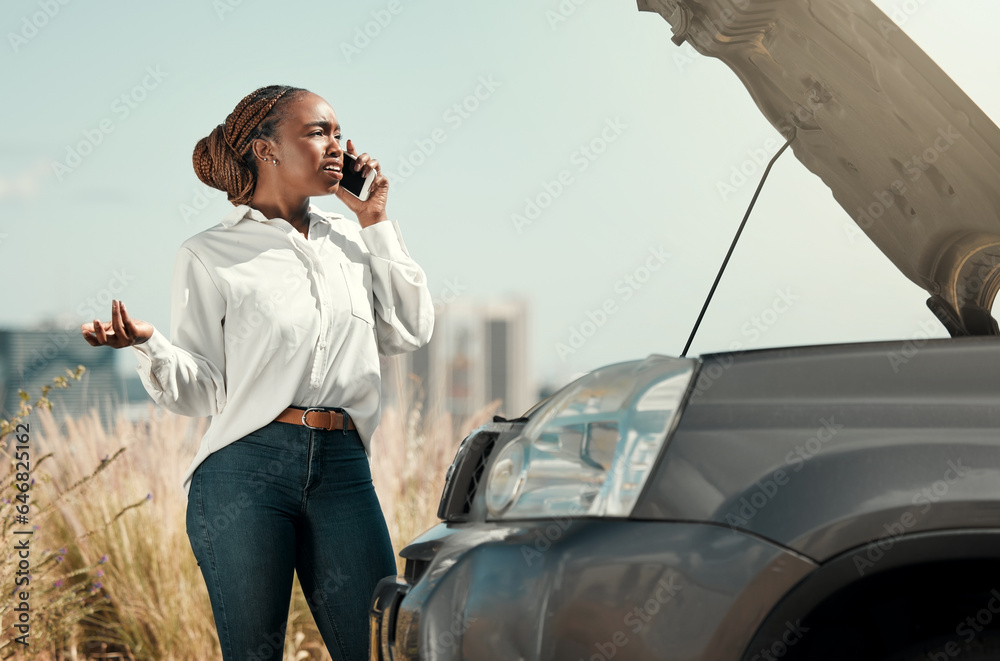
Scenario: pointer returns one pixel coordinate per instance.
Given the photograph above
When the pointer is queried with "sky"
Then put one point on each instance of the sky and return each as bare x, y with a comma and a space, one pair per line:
574, 163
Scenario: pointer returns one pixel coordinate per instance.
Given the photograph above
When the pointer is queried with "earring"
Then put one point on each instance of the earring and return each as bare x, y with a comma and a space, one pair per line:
275, 162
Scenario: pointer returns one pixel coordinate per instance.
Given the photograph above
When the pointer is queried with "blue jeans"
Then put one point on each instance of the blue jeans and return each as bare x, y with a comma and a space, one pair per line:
281, 499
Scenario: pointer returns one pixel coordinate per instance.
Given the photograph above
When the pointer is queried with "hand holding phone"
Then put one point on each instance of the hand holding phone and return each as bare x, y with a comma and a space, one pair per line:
353, 181
364, 195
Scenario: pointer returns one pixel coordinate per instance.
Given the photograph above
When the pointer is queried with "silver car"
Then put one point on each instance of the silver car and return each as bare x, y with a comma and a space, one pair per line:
822, 502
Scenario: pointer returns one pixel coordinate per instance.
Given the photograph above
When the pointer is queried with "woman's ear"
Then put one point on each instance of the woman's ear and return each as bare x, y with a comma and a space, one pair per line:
262, 150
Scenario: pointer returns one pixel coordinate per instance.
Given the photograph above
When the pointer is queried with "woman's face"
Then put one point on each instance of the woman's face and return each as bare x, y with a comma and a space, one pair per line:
310, 156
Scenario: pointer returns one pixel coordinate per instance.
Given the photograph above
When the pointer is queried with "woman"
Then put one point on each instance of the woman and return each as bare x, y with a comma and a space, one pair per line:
278, 315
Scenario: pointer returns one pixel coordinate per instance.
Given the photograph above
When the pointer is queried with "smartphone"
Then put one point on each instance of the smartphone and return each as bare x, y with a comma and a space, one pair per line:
353, 182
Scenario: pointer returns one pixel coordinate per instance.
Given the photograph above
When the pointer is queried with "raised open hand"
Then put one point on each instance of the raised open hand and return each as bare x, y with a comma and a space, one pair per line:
122, 331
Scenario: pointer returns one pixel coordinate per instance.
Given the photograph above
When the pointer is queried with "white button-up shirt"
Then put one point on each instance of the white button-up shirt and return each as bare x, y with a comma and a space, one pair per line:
262, 318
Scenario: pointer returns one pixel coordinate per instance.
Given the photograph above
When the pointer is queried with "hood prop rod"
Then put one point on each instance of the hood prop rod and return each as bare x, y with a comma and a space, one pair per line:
729, 254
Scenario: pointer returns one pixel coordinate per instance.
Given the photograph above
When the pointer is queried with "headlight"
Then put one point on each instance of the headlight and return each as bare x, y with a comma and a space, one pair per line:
589, 449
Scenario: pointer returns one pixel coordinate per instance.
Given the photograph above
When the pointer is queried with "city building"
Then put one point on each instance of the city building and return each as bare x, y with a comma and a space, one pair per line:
477, 355
31, 358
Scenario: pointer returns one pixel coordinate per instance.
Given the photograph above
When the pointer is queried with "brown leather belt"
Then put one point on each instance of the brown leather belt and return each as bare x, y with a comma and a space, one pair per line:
318, 418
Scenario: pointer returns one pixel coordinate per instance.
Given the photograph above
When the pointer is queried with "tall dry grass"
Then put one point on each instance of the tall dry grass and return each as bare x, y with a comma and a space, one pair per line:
411, 451
138, 592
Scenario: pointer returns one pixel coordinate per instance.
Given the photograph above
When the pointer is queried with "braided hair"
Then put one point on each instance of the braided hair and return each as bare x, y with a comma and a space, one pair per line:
223, 159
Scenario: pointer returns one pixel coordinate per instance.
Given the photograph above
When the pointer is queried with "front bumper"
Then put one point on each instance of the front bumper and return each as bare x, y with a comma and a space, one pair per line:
569, 589
382, 620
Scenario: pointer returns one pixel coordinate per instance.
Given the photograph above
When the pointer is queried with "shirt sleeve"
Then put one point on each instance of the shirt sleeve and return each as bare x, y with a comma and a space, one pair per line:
404, 311
187, 375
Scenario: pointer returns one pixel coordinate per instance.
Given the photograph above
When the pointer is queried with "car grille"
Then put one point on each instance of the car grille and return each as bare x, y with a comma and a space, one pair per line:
465, 475
414, 570
477, 474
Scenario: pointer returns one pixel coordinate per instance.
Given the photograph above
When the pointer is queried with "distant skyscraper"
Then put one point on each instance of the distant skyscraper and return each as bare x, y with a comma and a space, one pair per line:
477, 354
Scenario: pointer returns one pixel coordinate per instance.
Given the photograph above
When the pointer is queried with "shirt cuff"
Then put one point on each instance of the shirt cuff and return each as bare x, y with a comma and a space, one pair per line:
385, 240
157, 346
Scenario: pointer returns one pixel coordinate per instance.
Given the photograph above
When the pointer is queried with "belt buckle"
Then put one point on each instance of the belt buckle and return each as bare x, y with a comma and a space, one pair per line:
320, 408
306, 424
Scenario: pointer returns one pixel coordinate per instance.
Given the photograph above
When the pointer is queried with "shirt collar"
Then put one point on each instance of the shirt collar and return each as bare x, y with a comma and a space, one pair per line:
246, 211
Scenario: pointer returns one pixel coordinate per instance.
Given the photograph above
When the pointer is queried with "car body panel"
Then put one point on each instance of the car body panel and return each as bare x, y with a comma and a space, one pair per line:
569, 589
793, 475
769, 435
910, 553
879, 424
910, 157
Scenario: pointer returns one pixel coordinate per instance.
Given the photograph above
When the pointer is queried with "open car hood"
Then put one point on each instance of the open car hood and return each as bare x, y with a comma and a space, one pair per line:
905, 151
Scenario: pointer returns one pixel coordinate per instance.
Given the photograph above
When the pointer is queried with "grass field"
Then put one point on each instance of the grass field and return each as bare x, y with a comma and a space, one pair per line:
112, 574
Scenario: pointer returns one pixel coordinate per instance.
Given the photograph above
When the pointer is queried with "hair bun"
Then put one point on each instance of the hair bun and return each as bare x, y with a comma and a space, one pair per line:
217, 166
206, 156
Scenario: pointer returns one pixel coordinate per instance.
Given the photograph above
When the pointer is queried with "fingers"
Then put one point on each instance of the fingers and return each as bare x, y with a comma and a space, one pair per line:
102, 337
364, 163
122, 338
380, 182
118, 333
104, 333
130, 329
87, 330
